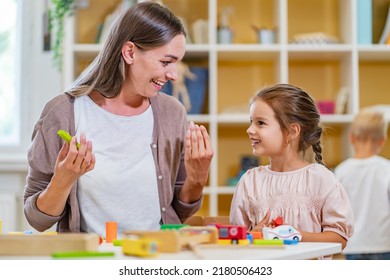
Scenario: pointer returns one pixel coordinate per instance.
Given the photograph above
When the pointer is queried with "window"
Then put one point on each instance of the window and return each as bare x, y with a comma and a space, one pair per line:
9, 96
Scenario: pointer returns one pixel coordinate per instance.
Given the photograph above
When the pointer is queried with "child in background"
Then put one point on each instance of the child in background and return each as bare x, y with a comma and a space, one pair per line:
366, 179
284, 126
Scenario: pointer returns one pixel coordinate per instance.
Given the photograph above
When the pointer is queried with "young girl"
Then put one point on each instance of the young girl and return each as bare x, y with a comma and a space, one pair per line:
284, 125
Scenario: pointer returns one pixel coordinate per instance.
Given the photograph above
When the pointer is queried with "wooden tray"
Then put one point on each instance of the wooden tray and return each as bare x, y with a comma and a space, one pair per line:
43, 244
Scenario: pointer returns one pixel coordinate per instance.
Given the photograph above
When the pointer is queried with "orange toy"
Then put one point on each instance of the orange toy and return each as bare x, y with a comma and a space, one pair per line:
111, 231
256, 234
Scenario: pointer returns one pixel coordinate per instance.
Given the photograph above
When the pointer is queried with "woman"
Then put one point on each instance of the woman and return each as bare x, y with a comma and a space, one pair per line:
148, 165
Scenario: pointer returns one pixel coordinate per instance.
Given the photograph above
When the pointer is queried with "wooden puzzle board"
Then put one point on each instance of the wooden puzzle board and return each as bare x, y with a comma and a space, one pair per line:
42, 244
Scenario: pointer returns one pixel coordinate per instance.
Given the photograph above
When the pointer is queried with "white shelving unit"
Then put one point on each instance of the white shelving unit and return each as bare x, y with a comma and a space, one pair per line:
237, 70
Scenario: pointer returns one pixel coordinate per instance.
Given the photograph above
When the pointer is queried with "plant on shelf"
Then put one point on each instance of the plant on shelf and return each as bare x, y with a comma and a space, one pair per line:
58, 11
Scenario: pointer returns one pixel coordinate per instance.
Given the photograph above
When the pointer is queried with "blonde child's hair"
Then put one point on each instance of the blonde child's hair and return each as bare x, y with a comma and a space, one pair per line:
369, 125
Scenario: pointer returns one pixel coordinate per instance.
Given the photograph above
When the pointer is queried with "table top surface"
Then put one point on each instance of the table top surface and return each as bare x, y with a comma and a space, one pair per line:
300, 251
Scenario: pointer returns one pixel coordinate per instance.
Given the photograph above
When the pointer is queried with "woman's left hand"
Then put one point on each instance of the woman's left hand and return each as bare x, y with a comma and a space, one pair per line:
198, 156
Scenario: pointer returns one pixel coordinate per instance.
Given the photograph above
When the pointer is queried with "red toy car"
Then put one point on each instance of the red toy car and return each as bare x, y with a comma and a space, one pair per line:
234, 233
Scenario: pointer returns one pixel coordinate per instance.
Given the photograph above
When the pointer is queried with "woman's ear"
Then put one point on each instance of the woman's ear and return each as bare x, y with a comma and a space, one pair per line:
128, 50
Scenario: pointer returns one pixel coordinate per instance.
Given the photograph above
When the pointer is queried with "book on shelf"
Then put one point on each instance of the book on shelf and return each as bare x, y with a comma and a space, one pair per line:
364, 21
99, 32
386, 29
342, 101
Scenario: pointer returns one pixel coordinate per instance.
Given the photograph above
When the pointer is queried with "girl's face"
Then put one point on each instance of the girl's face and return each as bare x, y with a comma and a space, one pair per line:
265, 132
151, 69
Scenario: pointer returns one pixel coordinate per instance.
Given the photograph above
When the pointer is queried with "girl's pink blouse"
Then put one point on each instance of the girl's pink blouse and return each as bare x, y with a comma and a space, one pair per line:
310, 199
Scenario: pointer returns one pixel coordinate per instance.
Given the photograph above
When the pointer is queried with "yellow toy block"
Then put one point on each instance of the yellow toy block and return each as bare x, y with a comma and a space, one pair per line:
140, 247
229, 242
224, 242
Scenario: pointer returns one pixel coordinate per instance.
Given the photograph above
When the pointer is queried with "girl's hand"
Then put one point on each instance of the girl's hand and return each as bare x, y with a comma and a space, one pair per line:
264, 222
72, 163
198, 154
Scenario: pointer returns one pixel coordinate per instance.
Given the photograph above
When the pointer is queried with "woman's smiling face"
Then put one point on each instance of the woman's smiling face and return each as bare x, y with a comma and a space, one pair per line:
151, 69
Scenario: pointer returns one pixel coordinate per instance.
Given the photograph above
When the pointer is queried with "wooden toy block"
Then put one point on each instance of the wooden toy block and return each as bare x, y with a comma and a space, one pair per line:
173, 226
256, 234
268, 242
233, 242
82, 254
111, 231
224, 242
43, 244
198, 235
169, 240
140, 247
175, 240
194, 221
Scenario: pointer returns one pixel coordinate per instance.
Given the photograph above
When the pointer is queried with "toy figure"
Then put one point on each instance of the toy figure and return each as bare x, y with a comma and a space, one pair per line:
277, 222
179, 86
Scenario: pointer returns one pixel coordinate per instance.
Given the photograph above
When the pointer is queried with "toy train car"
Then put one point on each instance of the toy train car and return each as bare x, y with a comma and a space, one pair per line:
232, 232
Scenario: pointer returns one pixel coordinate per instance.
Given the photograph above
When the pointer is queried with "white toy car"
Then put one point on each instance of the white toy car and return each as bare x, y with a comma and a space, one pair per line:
283, 232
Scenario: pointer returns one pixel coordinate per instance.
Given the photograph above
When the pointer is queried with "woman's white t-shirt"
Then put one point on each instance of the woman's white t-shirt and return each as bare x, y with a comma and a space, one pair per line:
123, 186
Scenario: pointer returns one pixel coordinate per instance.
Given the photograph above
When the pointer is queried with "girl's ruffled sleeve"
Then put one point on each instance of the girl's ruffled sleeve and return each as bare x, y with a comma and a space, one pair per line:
337, 212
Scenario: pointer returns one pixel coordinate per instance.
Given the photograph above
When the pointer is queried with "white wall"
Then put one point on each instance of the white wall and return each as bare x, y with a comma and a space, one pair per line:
43, 81
39, 82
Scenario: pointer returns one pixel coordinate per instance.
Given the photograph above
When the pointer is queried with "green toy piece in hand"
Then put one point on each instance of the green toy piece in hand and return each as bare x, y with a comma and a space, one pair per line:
67, 137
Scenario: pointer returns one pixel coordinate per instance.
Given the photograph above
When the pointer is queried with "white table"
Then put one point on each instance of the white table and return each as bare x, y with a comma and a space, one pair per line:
300, 251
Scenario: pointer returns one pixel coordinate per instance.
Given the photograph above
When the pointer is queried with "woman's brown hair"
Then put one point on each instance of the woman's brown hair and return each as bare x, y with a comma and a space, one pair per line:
148, 25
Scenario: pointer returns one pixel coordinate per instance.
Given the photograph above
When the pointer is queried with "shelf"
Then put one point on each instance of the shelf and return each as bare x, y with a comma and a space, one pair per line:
378, 53
336, 119
323, 53
199, 118
238, 70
